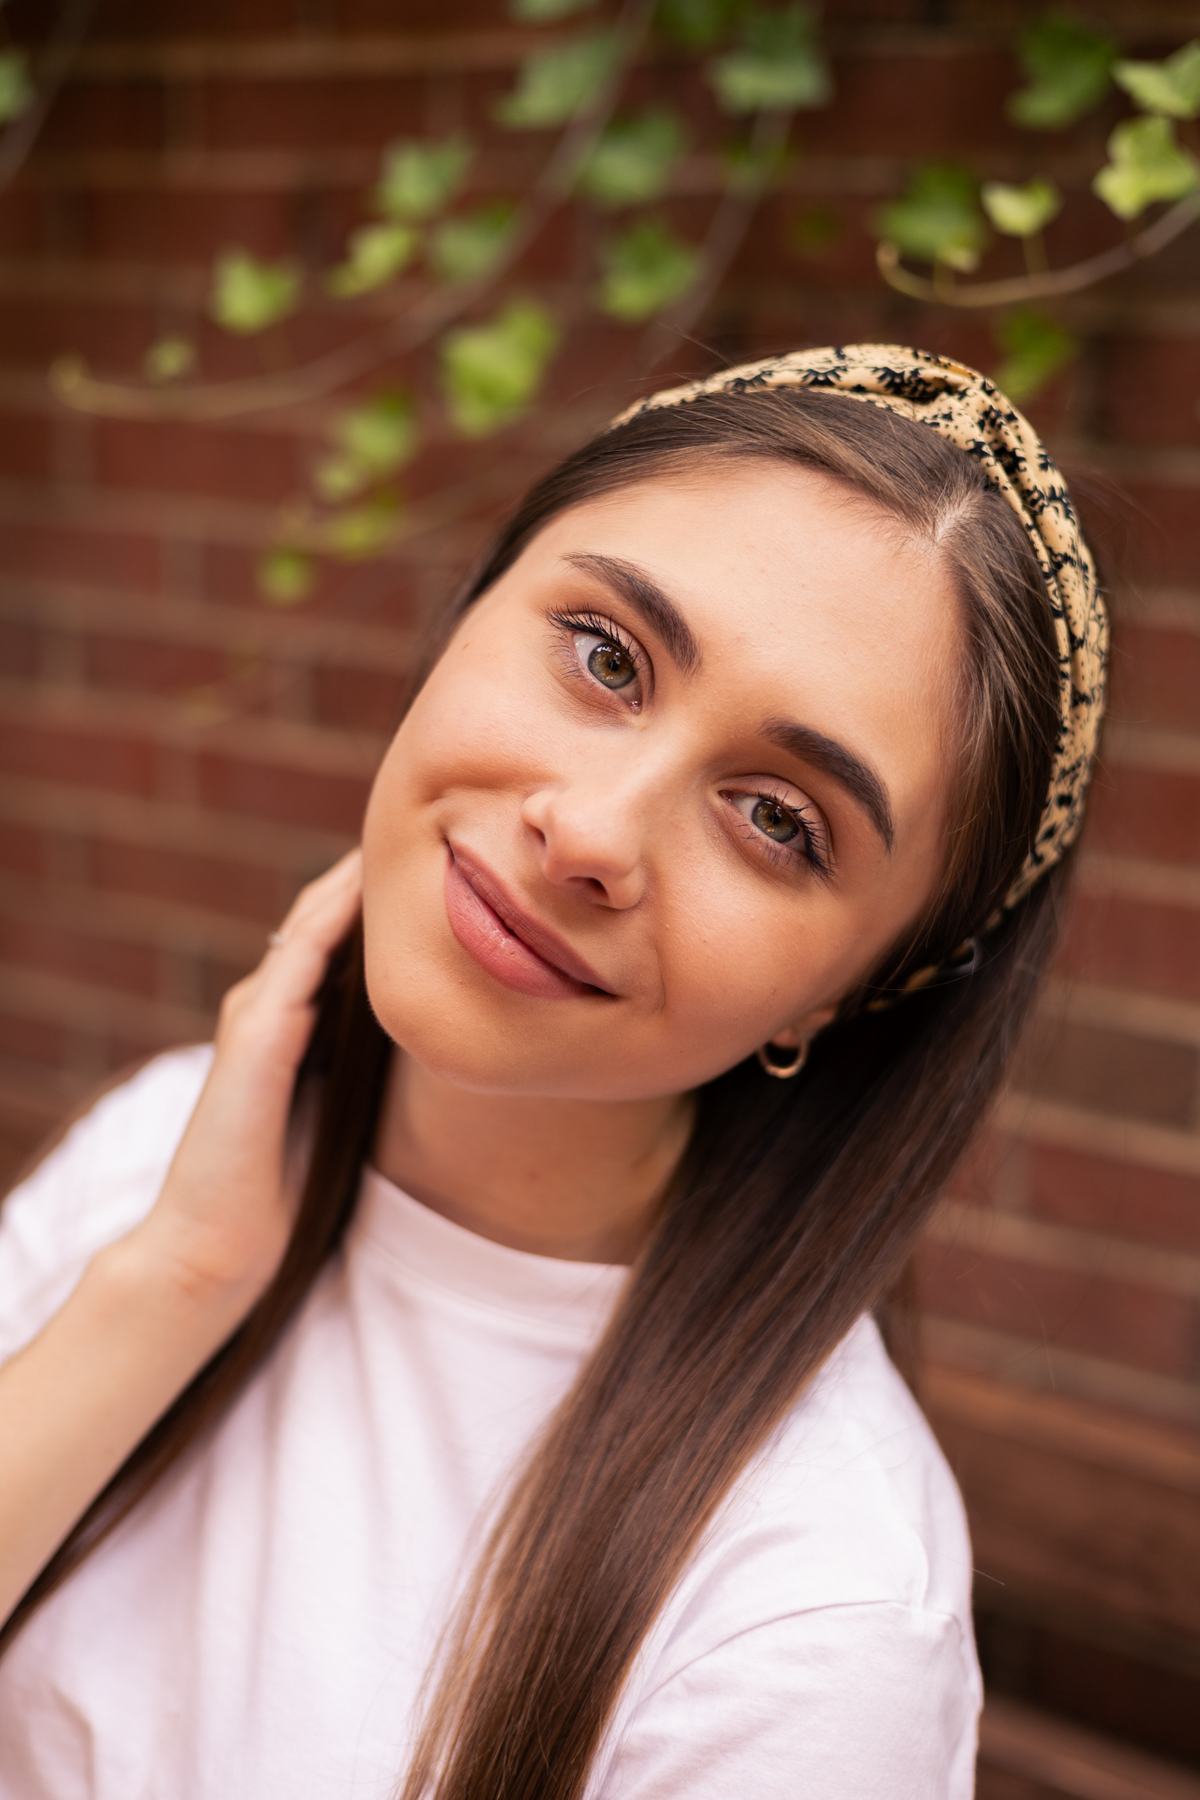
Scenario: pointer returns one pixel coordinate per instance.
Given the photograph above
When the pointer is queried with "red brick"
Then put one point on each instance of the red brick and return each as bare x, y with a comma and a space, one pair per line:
33, 1040
1140, 1326
354, 110
61, 754
1148, 390
291, 796
1129, 943
241, 465
106, 962
357, 699
22, 849
63, 550
19, 645
1155, 677
151, 666
110, 115
1152, 813
25, 447
216, 883
1163, 542
1111, 1072
1154, 1206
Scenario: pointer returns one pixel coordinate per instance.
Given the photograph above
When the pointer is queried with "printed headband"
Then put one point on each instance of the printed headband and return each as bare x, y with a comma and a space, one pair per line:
966, 409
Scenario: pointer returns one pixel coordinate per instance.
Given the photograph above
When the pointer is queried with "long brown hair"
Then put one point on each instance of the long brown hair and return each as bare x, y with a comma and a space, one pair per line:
795, 1204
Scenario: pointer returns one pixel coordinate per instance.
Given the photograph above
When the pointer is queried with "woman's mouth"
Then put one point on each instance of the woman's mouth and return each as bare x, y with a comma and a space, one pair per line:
519, 951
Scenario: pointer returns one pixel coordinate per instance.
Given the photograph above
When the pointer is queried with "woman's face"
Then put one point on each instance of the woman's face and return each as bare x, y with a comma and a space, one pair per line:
678, 780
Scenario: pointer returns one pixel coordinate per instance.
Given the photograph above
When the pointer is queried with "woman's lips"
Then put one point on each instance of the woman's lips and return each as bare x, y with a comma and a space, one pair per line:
492, 929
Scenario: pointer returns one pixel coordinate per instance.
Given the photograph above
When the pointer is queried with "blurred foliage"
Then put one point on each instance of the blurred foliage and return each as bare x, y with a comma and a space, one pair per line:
375, 255
1171, 87
1021, 211
16, 89
554, 85
418, 180
490, 373
1068, 69
778, 63
248, 295
438, 216
1035, 348
939, 219
169, 359
631, 163
644, 270
1146, 163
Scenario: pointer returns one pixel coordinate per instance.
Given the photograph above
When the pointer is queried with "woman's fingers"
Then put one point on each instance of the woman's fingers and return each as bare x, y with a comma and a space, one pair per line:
316, 922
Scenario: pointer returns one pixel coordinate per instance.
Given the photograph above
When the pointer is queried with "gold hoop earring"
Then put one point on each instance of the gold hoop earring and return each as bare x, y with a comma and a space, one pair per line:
783, 1071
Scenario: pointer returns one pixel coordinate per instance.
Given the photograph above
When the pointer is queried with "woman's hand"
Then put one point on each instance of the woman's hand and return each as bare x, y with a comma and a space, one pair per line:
223, 1218
152, 1308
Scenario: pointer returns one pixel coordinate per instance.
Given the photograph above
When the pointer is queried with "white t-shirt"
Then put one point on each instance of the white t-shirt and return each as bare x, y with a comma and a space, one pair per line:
259, 1629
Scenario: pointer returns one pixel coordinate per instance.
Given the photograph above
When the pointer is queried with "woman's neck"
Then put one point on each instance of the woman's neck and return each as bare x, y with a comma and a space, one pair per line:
576, 1179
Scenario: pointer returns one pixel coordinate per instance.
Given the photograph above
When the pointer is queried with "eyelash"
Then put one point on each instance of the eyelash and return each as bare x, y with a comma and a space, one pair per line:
609, 632
812, 834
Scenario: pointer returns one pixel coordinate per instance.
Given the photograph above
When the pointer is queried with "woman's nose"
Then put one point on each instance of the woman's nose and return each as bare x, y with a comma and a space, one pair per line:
592, 836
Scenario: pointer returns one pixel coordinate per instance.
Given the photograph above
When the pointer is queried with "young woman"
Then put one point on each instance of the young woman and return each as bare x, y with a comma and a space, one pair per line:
461, 1380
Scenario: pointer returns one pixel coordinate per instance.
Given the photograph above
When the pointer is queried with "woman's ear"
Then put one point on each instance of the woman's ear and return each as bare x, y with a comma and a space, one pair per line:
805, 1029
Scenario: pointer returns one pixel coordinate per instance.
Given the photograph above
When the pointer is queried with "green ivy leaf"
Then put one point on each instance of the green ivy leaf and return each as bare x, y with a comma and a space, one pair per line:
1068, 69
285, 575
696, 24
1035, 349
376, 254
1146, 164
554, 85
370, 441
365, 530
1021, 211
248, 295
1171, 87
938, 220
748, 170
545, 12
779, 64
491, 372
632, 162
16, 89
644, 270
814, 231
418, 179
465, 248
168, 359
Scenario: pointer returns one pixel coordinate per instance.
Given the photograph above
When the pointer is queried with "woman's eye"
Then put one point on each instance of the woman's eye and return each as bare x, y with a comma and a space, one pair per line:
775, 820
610, 663
789, 827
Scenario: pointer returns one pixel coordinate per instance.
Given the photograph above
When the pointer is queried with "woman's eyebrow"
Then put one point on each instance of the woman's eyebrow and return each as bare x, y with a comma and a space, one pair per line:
644, 595
857, 777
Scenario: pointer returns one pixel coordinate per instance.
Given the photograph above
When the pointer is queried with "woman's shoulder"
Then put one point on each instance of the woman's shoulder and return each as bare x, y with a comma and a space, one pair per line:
96, 1182
825, 1621
851, 1504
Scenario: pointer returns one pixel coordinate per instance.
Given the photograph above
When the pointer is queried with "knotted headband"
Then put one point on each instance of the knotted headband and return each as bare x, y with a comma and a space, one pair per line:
968, 410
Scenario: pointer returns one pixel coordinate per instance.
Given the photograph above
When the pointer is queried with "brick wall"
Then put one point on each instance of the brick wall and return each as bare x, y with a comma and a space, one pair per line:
179, 757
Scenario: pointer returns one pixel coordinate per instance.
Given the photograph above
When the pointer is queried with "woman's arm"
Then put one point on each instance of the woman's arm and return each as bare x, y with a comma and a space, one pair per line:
151, 1309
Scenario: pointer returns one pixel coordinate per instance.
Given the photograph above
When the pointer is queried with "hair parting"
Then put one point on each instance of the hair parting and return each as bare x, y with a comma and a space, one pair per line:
796, 1203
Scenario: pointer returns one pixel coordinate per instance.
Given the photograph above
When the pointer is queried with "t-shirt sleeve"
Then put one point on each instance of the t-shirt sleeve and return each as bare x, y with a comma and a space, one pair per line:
94, 1186
856, 1702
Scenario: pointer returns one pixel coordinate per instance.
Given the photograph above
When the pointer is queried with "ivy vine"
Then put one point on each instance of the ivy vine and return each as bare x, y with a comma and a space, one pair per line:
444, 260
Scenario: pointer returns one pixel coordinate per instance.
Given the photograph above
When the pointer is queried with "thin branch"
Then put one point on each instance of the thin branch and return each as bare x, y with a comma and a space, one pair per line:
726, 234
55, 61
1055, 282
72, 383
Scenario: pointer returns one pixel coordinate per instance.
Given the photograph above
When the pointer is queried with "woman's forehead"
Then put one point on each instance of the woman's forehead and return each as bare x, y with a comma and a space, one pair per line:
773, 566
